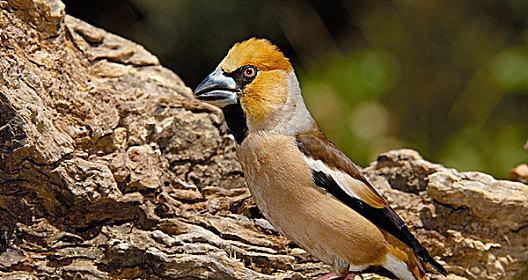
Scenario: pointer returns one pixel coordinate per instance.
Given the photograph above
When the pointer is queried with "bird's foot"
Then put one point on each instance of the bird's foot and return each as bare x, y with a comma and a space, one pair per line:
333, 276
352, 276
328, 276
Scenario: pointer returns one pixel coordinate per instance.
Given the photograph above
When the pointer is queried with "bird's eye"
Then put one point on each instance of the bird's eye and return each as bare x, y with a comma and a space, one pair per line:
249, 72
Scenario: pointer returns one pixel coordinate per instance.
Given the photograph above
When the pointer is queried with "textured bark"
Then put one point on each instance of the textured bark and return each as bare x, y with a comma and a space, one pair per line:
110, 169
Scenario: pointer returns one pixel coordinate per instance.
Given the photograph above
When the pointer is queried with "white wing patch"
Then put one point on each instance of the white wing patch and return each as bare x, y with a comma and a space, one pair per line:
343, 180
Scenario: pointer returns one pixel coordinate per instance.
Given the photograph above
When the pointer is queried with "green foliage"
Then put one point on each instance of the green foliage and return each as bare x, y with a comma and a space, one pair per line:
453, 94
447, 78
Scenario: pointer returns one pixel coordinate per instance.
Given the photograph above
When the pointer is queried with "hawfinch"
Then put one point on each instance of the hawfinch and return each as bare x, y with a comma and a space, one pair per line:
303, 184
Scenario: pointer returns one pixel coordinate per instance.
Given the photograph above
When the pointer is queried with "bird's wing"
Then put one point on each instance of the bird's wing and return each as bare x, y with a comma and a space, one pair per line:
327, 160
339, 176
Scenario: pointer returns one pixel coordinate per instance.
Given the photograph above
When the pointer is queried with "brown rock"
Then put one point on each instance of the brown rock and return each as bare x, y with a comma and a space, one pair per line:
475, 224
109, 169
520, 173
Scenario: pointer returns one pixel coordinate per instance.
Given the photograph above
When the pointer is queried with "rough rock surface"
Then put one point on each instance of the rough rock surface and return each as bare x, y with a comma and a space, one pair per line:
477, 225
109, 169
520, 173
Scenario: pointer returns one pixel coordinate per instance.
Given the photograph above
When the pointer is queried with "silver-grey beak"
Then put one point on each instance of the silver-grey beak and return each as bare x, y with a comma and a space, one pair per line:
218, 89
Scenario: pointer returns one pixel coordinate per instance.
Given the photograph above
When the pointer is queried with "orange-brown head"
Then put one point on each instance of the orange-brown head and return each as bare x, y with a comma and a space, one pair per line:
260, 53
254, 79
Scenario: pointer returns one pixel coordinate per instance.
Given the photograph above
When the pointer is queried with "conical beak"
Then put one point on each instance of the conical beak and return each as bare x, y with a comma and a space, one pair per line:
218, 89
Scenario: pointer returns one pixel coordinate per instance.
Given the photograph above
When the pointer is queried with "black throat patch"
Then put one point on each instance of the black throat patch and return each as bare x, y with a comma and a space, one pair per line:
236, 121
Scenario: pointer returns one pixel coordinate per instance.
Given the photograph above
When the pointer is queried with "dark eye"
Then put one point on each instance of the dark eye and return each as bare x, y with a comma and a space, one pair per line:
249, 72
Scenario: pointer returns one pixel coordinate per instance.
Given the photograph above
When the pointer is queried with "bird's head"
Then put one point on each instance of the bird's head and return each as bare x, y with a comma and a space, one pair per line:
256, 77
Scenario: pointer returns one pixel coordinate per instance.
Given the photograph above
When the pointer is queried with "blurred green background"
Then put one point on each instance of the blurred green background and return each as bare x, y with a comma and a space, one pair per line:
448, 78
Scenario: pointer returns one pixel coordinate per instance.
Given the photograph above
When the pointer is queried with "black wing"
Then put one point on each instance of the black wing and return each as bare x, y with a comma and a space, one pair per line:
385, 218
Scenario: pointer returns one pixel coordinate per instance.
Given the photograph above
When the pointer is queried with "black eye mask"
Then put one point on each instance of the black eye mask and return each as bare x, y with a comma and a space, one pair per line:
241, 76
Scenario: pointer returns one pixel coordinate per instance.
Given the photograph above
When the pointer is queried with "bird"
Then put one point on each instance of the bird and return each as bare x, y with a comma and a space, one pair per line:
307, 188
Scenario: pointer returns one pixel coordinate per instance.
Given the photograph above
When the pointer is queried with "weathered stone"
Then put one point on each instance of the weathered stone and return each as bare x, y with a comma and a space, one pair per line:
520, 173
477, 225
110, 169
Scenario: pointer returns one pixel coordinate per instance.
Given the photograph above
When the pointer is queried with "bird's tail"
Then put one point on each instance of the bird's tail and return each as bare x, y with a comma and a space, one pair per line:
407, 264
425, 258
